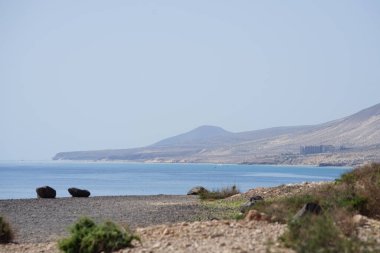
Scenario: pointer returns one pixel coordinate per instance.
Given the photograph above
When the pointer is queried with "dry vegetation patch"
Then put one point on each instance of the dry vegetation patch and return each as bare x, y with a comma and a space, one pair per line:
221, 193
6, 233
356, 192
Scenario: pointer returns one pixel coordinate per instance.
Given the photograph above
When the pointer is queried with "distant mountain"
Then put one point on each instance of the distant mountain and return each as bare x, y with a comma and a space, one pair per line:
357, 136
203, 135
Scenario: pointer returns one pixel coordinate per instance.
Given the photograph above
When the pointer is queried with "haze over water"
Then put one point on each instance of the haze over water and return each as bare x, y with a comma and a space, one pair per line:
19, 179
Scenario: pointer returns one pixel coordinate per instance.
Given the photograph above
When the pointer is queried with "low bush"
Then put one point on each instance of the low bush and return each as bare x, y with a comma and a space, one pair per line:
6, 233
283, 209
355, 192
219, 193
88, 237
313, 233
364, 184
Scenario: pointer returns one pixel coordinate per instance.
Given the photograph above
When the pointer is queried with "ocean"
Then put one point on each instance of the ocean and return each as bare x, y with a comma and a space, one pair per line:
20, 179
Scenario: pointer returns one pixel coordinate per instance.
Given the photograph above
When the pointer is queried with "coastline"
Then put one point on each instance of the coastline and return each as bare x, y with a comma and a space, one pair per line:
43, 220
165, 223
35, 220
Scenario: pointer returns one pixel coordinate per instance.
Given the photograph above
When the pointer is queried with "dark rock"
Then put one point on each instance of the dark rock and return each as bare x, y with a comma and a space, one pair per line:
197, 190
78, 193
46, 192
308, 208
256, 198
252, 201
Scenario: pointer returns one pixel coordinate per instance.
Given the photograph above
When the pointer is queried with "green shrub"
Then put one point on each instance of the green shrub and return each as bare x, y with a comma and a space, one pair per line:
354, 203
219, 193
357, 191
318, 233
283, 209
88, 237
348, 178
6, 234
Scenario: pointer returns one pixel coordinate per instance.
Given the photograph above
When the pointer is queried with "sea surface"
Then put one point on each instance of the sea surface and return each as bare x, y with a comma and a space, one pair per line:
20, 179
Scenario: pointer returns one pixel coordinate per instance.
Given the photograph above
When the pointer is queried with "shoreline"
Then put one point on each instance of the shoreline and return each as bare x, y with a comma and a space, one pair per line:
180, 163
165, 223
102, 196
169, 195
45, 220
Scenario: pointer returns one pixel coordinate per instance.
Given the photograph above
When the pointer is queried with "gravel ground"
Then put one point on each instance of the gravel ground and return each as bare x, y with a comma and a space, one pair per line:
279, 191
164, 223
211, 237
206, 236
44, 220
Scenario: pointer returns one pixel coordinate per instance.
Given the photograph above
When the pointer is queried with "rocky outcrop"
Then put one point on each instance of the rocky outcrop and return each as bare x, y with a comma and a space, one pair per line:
78, 193
251, 202
46, 192
196, 190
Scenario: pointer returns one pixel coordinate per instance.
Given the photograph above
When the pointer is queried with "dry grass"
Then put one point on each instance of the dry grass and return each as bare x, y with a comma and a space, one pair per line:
356, 192
222, 193
364, 184
6, 233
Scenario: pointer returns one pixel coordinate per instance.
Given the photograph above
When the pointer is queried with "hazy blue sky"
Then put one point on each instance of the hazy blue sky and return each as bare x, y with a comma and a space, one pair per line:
84, 75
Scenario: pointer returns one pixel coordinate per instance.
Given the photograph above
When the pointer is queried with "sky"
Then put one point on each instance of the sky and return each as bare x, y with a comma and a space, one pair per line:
88, 75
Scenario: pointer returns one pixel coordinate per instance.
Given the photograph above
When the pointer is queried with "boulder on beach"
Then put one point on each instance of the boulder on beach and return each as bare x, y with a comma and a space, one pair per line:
196, 190
46, 192
78, 193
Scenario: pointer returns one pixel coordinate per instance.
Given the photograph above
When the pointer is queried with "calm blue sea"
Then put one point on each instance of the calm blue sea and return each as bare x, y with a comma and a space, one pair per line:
19, 179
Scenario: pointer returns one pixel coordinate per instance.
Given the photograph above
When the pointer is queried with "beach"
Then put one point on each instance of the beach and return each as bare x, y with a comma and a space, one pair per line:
42, 220
165, 223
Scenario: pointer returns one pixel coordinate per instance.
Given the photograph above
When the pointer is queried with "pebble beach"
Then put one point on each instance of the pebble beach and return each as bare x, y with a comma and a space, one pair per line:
165, 223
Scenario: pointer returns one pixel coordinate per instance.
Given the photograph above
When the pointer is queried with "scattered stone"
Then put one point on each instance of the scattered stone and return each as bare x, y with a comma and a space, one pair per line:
256, 198
196, 190
358, 219
78, 193
156, 245
279, 191
311, 208
368, 230
253, 215
46, 192
273, 218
